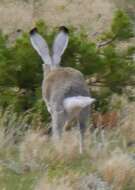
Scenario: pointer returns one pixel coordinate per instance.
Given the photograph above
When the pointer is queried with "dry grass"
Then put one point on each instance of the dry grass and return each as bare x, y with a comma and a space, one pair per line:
128, 123
106, 152
97, 17
32, 150
14, 15
62, 184
118, 170
37, 148
23, 14
108, 158
73, 182
90, 182
2, 138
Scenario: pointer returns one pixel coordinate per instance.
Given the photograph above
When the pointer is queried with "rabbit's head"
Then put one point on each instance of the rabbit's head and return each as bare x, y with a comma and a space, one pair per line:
59, 45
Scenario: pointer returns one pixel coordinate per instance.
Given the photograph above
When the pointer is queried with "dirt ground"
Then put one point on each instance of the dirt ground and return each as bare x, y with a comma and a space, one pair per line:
93, 15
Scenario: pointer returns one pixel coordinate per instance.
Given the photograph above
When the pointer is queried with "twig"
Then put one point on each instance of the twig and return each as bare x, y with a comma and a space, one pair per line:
105, 43
104, 84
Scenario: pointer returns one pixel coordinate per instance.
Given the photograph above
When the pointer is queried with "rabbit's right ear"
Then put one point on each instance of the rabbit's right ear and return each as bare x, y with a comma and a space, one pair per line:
59, 45
40, 45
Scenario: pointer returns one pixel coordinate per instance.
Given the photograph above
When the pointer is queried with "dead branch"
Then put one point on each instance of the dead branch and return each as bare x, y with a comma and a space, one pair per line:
105, 43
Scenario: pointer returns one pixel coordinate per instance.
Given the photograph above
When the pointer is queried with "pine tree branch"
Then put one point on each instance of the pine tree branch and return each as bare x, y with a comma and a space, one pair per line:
105, 43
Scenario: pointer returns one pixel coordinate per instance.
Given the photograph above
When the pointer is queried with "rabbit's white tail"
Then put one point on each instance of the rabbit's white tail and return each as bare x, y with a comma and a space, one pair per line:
77, 102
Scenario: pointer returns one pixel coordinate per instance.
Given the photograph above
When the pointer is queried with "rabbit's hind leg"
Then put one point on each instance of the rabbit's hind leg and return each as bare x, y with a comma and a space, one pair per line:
82, 123
58, 122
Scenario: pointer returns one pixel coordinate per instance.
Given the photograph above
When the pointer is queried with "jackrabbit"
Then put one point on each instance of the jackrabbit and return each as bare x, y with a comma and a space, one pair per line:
63, 89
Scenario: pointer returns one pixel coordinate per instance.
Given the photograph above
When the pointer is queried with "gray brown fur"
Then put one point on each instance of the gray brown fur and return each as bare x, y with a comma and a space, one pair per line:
61, 83
57, 85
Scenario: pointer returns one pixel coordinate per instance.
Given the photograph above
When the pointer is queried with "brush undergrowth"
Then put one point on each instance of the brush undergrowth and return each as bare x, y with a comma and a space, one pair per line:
34, 162
28, 158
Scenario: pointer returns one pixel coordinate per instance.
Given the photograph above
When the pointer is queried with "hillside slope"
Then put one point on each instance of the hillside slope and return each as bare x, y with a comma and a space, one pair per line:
93, 15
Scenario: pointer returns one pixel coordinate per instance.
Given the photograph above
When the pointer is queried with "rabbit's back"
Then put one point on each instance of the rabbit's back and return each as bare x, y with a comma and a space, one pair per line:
63, 89
64, 82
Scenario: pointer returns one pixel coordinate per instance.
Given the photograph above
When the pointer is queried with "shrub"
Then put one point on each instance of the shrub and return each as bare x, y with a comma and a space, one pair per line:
122, 26
21, 67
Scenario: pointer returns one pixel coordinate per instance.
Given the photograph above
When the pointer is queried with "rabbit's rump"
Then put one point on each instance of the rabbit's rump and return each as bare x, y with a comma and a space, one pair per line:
62, 83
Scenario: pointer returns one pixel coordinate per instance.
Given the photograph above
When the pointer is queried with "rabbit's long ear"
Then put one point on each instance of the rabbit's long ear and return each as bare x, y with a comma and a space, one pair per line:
40, 45
59, 45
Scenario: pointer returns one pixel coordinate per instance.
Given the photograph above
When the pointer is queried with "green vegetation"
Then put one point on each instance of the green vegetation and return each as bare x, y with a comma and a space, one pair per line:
21, 67
26, 155
36, 163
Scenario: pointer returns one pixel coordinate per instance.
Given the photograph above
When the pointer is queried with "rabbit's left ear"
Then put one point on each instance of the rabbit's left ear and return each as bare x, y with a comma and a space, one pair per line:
40, 45
59, 45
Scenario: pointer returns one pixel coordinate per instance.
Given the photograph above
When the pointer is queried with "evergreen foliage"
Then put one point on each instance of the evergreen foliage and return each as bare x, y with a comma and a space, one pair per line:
21, 67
